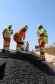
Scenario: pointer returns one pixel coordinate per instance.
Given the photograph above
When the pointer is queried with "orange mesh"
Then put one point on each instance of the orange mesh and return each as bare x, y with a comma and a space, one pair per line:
6, 45
15, 37
42, 44
42, 53
18, 45
7, 39
21, 33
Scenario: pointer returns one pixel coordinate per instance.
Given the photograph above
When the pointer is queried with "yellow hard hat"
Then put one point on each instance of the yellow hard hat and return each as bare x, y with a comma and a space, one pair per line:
25, 26
10, 25
39, 26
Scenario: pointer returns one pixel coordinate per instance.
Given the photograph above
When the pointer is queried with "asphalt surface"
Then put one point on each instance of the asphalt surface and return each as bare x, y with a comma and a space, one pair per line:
24, 68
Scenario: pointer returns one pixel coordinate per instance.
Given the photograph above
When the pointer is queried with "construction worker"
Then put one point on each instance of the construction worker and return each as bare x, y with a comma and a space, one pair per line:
42, 40
7, 37
18, 37
27, 46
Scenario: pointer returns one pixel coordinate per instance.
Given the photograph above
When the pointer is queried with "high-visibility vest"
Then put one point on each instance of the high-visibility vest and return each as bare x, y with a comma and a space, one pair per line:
27, 44
7, 33
43, 38
20, 33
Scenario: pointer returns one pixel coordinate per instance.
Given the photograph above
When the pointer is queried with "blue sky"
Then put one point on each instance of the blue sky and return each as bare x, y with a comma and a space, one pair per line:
31, 13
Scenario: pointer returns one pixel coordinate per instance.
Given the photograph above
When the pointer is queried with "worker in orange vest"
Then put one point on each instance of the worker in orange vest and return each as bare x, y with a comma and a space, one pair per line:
7, 37
18, 37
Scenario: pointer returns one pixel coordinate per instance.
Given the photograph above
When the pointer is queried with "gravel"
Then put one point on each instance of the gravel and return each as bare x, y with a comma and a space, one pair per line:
18, 69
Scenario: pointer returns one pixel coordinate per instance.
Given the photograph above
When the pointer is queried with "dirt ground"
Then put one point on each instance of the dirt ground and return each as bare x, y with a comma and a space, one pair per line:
50, 50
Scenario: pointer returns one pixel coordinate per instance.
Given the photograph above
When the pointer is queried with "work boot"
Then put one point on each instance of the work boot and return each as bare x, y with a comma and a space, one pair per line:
7, 51
17, 51
41, 57
3, 50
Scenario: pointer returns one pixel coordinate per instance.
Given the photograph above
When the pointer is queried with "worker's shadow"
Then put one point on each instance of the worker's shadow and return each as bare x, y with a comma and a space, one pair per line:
34, 61
2, 70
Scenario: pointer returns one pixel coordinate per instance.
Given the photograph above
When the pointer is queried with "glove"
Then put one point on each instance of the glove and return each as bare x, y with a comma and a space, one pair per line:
4, 38
23, 38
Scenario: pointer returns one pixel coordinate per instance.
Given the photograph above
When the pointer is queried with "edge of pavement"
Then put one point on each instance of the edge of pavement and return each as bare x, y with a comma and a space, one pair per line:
50, 60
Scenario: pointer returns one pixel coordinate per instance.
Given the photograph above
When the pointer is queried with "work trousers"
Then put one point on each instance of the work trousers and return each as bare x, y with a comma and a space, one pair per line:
27, 48
42, 52
18, 47
6, 44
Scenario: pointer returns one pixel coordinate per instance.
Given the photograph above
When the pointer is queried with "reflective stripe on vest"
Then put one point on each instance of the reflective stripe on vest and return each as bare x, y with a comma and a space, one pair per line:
18, 34
7, 33
43, 38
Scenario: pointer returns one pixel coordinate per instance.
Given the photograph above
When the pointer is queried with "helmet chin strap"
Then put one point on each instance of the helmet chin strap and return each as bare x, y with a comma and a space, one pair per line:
24, 30
9, 27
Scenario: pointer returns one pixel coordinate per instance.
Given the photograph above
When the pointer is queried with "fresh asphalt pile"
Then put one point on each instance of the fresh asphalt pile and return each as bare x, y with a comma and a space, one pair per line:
24, 68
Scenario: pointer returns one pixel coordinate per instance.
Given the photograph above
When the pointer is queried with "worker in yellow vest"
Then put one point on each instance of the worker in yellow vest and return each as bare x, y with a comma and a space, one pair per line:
18, 36
7, 37
27, 46
42, 40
